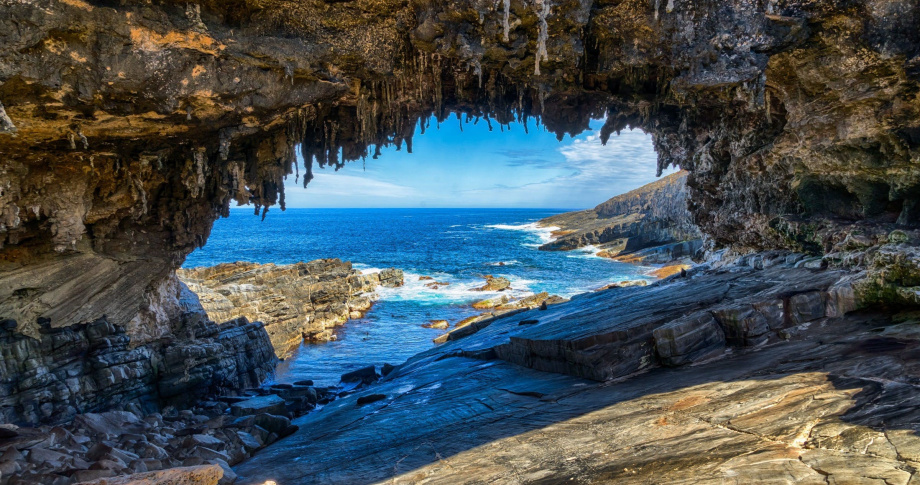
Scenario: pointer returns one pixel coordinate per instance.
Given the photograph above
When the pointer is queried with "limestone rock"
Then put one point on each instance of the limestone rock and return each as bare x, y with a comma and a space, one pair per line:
295, 302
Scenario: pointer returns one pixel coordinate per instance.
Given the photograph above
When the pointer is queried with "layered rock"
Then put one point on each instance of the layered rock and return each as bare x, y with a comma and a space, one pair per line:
650, 224
788, 383
96, 366
296, 302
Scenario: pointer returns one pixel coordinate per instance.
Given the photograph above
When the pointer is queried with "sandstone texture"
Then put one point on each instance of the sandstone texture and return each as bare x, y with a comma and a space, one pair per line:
753, 372
297, 302
650, 224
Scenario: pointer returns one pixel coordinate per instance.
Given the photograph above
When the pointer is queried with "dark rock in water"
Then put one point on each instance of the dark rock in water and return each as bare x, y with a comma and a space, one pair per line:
370, 398
279, 425
366, 375
304, 383
270, 404
386, 369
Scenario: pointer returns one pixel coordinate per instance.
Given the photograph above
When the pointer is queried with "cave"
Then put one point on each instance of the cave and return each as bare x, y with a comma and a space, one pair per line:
127, 128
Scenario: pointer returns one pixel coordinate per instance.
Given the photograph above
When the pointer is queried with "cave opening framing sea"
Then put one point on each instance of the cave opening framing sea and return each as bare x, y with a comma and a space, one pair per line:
457, 246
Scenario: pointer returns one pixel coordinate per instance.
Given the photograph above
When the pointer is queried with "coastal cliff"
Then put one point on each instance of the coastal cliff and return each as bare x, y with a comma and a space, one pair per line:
653, 216
296, 302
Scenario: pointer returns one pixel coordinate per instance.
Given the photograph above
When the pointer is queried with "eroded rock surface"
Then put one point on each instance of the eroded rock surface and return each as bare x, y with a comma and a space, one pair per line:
762, 375
97, 367
296, 302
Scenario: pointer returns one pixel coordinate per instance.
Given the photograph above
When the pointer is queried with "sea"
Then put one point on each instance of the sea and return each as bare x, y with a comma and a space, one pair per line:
457, 246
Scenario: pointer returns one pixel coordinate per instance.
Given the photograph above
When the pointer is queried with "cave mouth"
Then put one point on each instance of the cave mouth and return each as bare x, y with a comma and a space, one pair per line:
471, 199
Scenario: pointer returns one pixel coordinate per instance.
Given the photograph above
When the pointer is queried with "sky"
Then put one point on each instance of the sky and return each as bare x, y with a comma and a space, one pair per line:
476, 168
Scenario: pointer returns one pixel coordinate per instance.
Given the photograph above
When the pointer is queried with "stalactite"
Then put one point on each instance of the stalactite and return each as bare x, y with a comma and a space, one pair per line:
506, 14
543, 9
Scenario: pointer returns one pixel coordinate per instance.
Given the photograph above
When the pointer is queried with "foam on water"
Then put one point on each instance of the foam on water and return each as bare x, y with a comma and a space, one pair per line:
458, 291
544, 233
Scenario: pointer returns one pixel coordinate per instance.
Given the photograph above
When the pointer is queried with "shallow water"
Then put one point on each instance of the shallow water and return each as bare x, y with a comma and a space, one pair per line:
451, 245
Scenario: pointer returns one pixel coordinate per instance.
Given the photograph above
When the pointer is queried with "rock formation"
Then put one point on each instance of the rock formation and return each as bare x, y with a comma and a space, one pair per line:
650, 224
96, 366
296, 302
758, 371
127, 128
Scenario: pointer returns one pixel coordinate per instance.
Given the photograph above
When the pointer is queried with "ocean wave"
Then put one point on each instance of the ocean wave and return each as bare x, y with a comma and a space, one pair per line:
585, 252
459, 291
545, 233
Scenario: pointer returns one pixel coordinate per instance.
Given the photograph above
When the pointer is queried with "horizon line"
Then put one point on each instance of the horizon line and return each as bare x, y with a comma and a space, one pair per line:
249, 208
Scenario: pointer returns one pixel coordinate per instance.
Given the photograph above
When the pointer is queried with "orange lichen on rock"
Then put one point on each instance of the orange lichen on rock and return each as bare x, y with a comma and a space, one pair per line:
149, 40
673, 269
79, 4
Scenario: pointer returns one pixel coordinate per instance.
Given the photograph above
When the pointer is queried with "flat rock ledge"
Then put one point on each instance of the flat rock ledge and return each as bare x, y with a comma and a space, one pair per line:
770, 369
296, 302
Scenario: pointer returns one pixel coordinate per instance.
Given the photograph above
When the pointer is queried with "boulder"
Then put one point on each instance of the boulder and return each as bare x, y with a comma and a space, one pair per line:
270, 404
490, 303
112, 423
366, 375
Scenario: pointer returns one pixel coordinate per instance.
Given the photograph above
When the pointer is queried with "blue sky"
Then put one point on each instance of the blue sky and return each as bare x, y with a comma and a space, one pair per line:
478, 168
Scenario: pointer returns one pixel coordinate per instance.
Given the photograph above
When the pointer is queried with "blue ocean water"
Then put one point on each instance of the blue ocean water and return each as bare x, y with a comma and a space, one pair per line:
452, 245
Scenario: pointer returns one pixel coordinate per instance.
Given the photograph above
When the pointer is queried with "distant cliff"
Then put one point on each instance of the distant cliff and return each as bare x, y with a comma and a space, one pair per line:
653, 215
302, 301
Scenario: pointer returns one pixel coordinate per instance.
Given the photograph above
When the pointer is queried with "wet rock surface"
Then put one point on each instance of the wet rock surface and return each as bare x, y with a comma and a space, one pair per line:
763, 375
303, 301
648, 225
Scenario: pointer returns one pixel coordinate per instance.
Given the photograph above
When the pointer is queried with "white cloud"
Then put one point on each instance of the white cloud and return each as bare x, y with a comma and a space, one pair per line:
627, 157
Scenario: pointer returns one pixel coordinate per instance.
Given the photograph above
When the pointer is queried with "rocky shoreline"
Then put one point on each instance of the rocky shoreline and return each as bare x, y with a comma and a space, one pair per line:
297, 302
746, 369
